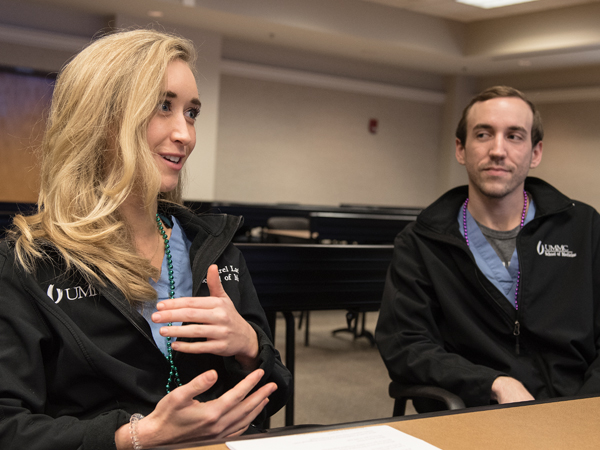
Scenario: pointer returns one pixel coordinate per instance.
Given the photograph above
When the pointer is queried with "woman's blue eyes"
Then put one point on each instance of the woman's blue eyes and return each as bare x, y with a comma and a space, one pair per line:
165, 106
192, 113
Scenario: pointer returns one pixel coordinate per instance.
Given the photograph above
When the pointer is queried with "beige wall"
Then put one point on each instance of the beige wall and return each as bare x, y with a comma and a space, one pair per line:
569, 102
284, 143
271, 141
571, 158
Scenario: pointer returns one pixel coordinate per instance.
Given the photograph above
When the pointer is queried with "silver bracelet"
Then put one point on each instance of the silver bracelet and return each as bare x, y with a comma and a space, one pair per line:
135, 440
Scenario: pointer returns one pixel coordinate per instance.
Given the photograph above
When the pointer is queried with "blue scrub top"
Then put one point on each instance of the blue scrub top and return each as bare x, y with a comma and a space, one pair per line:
182, 271
488, 261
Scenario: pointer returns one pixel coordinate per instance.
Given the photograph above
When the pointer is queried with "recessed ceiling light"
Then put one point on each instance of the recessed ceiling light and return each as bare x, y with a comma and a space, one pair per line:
156, 13
487, 4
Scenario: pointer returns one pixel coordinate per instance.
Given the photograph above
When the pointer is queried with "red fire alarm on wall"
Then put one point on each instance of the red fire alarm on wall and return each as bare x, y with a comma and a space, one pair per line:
373, 126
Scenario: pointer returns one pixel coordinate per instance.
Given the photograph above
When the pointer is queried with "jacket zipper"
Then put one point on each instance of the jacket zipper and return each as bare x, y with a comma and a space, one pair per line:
516, 327
452, 240
516, 334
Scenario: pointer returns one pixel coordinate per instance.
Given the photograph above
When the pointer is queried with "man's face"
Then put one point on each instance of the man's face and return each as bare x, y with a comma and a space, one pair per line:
498, 152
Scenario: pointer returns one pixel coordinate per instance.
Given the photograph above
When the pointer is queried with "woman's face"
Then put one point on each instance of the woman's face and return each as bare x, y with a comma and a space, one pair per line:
171, 133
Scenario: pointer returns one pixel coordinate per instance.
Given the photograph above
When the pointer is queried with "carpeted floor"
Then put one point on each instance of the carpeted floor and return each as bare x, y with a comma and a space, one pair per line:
338, 379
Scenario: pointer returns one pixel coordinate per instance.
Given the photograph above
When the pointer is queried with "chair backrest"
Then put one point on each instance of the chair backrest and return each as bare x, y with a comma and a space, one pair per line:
359, 228
288, 223
257, 214
287, 230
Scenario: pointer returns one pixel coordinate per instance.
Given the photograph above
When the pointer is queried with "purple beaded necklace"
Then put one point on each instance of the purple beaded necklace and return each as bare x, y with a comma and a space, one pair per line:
522, 223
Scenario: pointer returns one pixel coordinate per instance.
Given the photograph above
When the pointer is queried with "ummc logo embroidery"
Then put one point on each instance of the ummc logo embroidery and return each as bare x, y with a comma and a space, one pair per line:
555, 250
74, 293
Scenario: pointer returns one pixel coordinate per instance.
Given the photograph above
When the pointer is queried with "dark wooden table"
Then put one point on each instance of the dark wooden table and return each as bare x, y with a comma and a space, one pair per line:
298, 277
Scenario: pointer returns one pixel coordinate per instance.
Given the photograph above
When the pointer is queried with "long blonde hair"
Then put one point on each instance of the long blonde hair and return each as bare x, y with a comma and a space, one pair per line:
95, 154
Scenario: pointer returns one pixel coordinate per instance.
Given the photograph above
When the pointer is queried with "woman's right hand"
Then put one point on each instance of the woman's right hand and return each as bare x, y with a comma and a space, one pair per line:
178, 417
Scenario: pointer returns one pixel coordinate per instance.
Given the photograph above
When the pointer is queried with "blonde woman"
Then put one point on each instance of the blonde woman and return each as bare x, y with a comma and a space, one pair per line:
89, 359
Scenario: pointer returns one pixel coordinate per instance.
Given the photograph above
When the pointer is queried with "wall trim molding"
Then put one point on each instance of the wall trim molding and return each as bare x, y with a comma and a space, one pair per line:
567, 95
42, 39
64, 42
302, 78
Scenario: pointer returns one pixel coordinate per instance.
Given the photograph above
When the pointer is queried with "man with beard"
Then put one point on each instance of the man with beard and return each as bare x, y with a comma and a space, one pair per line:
494, 292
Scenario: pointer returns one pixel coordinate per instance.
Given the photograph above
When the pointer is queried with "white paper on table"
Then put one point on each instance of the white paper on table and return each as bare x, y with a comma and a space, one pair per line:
381, 437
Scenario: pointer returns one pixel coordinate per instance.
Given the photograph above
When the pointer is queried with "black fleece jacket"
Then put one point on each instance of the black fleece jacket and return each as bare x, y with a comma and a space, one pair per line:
443, 323
77, 360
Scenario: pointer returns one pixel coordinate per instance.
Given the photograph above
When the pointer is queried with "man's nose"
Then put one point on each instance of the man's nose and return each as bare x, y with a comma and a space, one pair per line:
497, 147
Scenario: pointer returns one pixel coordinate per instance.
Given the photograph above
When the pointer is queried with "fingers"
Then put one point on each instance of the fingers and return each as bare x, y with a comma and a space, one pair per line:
235, 433
191, 309
248, 405
182, 418
195, 309
241, 390
197, 386
190, 331
214, 347
213, 280
240, 417
508, 390
238, 428
187, 310
235, 404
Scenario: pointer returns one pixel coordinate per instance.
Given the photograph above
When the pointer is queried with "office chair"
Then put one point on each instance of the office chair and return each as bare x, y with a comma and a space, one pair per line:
282, 224
353, 316
442, 399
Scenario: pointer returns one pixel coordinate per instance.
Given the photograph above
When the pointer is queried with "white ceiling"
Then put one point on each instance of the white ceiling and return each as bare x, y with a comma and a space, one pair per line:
450, 9
439, 36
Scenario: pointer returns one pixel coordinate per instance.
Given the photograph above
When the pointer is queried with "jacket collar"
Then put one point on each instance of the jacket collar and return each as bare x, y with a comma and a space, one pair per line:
210, 234
440, 216
206, 224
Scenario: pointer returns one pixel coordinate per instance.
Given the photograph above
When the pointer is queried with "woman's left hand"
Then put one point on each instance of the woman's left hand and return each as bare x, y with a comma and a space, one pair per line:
214, 318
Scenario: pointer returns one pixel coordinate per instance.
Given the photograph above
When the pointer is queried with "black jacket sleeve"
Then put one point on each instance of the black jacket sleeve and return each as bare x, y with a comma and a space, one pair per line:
247, 303
591, 383
26, 352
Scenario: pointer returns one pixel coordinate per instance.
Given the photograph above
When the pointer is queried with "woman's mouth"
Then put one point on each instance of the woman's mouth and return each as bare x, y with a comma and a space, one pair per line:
173, 159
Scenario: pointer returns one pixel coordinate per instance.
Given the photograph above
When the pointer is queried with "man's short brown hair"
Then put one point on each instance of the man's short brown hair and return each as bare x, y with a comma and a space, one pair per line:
537, 130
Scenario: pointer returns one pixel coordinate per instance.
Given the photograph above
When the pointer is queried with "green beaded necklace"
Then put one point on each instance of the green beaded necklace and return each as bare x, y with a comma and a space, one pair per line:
173, 374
